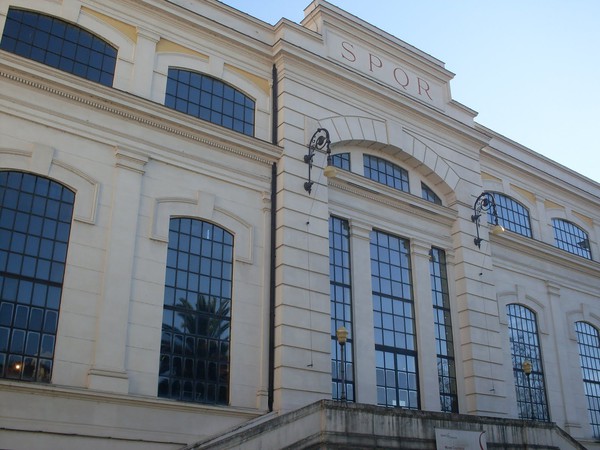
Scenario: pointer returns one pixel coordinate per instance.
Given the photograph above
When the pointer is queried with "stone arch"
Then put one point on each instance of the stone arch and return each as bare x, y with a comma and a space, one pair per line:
393, 140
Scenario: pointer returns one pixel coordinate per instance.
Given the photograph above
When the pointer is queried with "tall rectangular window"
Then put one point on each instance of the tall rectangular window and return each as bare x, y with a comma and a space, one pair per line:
194, 354
341, 307
394, 323
443, 330
35, 222
588, 339
526, 350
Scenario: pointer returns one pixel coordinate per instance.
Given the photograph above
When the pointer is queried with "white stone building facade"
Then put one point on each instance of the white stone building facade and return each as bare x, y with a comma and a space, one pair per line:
146, 163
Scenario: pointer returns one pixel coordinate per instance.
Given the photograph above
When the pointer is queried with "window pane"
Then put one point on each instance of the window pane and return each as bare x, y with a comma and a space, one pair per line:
429, 195
341, 160
393, 320
512, 215
59, 44
524, 346
569, 237
385, 172
443, 327
197, 314
32, 278
209, 99
588, 339
341, 308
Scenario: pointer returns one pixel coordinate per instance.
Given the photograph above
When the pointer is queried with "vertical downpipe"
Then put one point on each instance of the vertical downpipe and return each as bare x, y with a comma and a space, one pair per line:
274, 115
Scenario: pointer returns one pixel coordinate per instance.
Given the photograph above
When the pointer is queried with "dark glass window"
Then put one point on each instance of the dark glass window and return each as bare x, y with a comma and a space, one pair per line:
512, 215
525, 346
588, 339
35, 221
194, 355
59, 44
443, 330
341, 160
385, 172
210, 99
569, 237
394, 323
429, 195
341, 306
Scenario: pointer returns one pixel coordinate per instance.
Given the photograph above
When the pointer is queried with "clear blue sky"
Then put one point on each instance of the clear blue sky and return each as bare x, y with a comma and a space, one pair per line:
530, 68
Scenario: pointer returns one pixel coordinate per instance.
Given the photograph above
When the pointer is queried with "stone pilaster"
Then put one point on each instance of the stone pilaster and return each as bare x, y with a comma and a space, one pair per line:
108, 372
302, 310
143, 63
572, 421
478, 321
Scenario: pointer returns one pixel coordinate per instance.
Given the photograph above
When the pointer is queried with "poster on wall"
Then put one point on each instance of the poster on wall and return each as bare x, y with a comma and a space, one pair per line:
459, 440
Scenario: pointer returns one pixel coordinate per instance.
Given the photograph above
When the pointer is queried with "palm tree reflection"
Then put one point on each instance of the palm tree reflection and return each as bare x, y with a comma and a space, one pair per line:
194, 362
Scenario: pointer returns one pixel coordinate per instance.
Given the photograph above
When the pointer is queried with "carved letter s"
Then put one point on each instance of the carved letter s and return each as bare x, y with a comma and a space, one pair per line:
347, 46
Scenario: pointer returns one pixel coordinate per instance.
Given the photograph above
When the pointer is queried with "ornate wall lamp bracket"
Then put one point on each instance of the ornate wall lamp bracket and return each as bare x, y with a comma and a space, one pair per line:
320, 141
485, 203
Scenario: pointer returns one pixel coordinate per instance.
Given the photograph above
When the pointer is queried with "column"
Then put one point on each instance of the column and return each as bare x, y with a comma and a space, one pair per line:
108, 372
362, 302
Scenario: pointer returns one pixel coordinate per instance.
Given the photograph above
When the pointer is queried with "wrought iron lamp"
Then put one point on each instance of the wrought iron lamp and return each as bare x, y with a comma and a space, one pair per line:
485, 203
320, 141
342, 336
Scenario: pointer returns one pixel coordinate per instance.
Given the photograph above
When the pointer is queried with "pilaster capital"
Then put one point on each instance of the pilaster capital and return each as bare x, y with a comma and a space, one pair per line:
360, 230
420, 248
553, 289
130, 159
147, 34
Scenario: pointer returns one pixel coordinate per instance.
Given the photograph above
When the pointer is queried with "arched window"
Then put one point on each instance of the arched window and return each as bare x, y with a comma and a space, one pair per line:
429, 195
59, 44
341, 160
209, 99
35, 222
385, 172
394, 322
525, 346
512, 215
571, 238
194, 355
588, 339
340, 286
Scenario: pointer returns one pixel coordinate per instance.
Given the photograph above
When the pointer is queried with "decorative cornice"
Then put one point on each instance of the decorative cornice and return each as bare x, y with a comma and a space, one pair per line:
145, 119
511, 247
384, 198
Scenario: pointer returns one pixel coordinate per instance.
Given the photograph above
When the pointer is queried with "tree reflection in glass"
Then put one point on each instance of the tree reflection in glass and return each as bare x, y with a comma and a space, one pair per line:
194, 362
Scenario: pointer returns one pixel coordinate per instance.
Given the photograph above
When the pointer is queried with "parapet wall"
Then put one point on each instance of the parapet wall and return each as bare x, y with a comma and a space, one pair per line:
334, 425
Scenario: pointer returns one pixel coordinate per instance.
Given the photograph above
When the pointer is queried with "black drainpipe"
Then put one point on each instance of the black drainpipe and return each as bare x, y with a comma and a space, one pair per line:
271, 388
